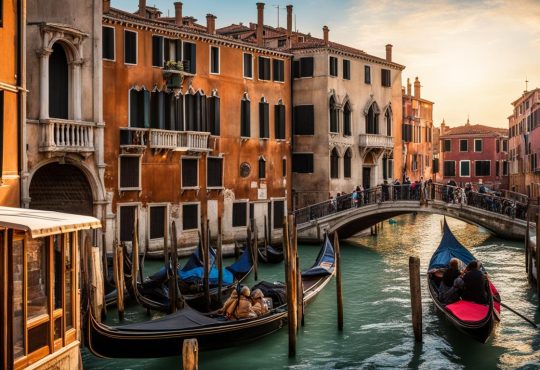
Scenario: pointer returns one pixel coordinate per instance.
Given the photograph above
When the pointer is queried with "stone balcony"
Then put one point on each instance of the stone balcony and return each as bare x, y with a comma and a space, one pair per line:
140, 138
61, 135
375, 141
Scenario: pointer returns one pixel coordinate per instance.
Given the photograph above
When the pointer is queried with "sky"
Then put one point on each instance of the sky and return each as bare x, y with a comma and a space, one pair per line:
471, 56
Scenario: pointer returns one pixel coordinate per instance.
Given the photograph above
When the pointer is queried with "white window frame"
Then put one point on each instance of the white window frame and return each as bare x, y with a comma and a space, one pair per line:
258, 68
246, 202
136, 47
162, 50
272, 69
482, 160
118, 213
467, 141
165, 221
337, 72
139, 188
183, 56
114, 44
243, 66
461, 174
182, 204
370, 74
219, 60
222, 172
482, 143
198, 186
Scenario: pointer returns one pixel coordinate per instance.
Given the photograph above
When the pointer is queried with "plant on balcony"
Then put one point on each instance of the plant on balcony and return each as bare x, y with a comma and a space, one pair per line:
173, 72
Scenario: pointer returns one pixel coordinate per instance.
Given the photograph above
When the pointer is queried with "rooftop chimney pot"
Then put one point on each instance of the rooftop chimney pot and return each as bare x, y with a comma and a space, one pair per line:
260, 24
388, 52
416, 88
409, 87
325, 30
178, 13
106, 6
211, 23
142, 8
289, 20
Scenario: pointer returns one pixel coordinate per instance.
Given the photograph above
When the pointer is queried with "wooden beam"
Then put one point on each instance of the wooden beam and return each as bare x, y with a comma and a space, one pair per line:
416, 297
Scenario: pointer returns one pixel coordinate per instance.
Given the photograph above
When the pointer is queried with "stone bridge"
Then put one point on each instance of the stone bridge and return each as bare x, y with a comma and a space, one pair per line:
350, 214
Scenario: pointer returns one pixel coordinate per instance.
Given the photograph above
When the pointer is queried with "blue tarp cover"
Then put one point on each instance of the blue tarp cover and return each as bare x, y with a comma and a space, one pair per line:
243, 265
449, 248
325, 262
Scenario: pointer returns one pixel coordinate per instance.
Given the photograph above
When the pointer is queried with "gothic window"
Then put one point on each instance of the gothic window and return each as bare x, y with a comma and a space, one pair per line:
334, 164
372, 119
262, 168
347, 119
333, 116
279, 120
245, 117
388, 121
58, 83
264, 120
347, 163
139, 108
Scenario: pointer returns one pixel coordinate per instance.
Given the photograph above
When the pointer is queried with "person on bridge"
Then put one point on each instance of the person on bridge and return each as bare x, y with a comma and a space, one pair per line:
474, 284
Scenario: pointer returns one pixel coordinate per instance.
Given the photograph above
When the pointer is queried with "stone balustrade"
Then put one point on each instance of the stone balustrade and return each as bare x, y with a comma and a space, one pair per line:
61, 135
193, 141
375, 141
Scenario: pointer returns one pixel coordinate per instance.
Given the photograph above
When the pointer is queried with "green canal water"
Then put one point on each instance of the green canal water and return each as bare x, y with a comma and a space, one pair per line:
377, 331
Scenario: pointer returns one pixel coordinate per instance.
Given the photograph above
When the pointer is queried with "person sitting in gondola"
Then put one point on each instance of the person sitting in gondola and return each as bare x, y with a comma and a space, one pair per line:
244, 309
230, 306
259, 305
474, 284
448, 290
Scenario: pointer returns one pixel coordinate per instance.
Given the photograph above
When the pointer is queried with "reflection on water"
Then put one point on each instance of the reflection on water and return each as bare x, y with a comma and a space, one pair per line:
378, 330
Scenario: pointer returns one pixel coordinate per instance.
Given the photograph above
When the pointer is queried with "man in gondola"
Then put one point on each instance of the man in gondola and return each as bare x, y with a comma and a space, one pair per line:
474, 284
448, 290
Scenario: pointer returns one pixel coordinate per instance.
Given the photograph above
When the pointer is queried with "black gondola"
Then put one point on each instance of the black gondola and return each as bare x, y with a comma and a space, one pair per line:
164, 336
476, 320
270, 254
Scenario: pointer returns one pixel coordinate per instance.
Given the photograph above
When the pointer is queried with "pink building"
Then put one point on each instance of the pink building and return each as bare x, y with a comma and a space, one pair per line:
471, 153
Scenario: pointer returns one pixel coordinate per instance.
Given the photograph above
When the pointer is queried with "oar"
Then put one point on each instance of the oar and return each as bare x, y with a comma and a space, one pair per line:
517, 313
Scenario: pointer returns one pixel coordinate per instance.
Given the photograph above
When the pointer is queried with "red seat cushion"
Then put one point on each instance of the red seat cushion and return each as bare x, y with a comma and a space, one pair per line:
468, 311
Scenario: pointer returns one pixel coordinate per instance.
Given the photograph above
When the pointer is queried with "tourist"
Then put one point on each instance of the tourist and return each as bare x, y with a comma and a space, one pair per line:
474, 287
448, 291
229, 307
244, 309
355, 197
259, 305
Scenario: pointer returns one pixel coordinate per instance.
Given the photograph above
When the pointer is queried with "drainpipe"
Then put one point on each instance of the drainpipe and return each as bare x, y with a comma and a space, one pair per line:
21, 97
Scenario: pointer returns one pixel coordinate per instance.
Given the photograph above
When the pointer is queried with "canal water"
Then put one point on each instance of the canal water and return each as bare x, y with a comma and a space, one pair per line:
377, 331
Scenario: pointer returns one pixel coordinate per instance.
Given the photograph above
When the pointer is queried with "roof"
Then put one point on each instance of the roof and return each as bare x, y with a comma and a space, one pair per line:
475, 130
42, 223
525, 96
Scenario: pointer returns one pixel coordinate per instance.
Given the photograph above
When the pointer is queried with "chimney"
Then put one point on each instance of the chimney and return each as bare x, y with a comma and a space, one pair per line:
211, 23
289, 20
106, 6
142, 8
388, 52
416, 88
325, 30
409, 92
260, 24
178, 13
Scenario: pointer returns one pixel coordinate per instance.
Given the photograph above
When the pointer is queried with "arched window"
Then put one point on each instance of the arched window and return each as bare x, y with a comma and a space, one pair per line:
347, 164
58, 83
372, 119
195, 106
388, 120
157, 109
264, 119
214, 114
245, 114
334, 164
347, 119
262, 168
139, 108
333, 115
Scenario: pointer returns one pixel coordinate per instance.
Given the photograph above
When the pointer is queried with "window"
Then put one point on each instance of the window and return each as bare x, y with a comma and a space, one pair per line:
248, 65
214, 172
478, 145
347, 164
157, 51
262, 168
497, 168
239, 214
334, 164
130, 172
463, 145
214, 113
388, 120
172, 50
346, 69
190, 58
58, 83
157, 110
302, 162
447, 145
304, 120
108, 44
482, 168
333, 66
139, 108
284, 167
214, 59
279, 121
406, 132
497, 146
130, 47
505, 168
279, 213
464, 168
190, 216
372, 119
264, 68
195, 112
347, 119
303, 67
190, 173
385, 78
264, 120
449, 168
367, 74
157, 221
245, 118
127, 219
333, 116
414, 162
278, 67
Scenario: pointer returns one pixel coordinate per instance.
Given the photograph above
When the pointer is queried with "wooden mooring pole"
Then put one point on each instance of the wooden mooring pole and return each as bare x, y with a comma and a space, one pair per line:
255, 251
173, 282
219, 262
291, 309
190, 354
206, 257
416, 297
119, 280
537, 250
339, 290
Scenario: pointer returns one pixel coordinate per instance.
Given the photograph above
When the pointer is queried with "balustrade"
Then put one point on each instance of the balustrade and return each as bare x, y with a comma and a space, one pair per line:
66, 136
375, 141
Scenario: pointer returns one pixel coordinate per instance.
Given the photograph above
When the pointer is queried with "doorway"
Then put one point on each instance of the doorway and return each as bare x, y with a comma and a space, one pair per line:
366, 177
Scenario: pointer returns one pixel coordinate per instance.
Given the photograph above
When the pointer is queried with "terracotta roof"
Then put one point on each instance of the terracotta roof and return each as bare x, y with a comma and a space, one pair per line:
474, 130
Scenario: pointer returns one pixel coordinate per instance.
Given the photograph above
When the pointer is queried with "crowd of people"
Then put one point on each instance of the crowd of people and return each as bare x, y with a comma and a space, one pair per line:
468, 284
244, 304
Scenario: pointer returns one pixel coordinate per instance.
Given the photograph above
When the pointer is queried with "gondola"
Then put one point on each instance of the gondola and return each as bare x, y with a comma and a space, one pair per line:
476, 320
164, 336
270, 254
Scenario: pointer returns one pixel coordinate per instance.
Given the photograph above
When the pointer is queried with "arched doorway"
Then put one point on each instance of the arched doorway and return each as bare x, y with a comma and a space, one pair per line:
58, 83
62, 188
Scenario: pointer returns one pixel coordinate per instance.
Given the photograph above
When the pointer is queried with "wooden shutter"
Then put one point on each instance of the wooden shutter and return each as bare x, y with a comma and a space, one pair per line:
279, 213
245, 129
296, 69
179, 113
346, 69
166, 50
108, 43
239, 214
279, 121
145, 107
214, 62
190, 112
130, 47
262, 168
306, 67
302, 162
157, 222
157, 110
213, 107
133, 108
190, 57
214, 172
190, 216
303, 120
129, 171
157, 51
127, 218
248, 65
178, 50
189, 172
264, 131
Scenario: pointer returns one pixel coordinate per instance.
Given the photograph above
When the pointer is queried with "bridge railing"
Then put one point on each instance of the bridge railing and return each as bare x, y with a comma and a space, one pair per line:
414, 192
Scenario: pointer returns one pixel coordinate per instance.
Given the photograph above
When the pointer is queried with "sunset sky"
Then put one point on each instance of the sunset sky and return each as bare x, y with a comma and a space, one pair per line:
472, 56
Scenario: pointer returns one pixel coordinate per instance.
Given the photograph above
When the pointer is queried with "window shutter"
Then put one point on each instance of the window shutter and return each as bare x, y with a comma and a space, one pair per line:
108, 43
279, 118
263, 120
146, 108
279, 213
166, 50
127, 218
213, 115
178, 50
189, 172
248, 65
179, 113
133, 108
129, 172
303, 120
306, 67
296, 69
190, 216
214, 175
157, 51
245, 119
157, 222
239, 216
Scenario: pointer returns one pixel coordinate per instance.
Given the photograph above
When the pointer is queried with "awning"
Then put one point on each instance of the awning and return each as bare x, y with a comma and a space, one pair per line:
43, 223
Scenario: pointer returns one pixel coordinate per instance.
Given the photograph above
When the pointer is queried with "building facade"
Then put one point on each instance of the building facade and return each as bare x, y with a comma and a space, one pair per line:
524, 125
474, 154
417, 133
197, 127
12, 98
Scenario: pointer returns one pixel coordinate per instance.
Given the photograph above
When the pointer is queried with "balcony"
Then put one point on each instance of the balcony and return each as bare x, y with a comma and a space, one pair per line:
133, 138
374, 141
61, 135
185, 141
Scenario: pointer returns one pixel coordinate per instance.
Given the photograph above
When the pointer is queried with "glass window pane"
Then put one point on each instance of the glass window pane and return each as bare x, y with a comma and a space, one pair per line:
38, 337
58, 328
57, 272
18, 298
37, 277
68, 313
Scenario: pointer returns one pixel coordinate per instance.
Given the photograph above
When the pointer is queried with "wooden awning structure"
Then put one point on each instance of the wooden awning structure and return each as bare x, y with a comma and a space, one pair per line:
42, 223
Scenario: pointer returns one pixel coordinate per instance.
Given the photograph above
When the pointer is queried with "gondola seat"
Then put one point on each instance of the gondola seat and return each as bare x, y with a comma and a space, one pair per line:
468, 311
